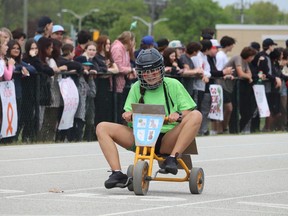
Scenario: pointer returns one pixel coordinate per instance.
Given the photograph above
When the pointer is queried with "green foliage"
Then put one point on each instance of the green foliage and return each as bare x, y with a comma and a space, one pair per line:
187, 18
262, 13
257, 13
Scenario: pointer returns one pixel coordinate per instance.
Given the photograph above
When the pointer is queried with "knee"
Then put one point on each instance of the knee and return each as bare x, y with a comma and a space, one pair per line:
229, 108
101, 128
195, 116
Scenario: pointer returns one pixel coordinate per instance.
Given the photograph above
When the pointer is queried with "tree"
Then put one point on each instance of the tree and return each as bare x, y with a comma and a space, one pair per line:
187, 18
257, 13
262, 13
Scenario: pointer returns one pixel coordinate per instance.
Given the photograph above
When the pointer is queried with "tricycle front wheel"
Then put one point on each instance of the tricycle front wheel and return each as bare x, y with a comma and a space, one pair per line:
140, 182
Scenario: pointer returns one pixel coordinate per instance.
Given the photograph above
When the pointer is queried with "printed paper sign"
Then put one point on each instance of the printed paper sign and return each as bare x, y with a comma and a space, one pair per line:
216, 109
70, 96
261, 100
146, 128
9, 109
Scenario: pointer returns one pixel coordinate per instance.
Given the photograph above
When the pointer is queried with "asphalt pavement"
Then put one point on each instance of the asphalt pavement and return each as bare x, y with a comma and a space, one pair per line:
244, 175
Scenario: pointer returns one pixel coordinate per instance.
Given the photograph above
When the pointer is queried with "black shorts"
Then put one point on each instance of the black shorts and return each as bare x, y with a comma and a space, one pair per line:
227, 97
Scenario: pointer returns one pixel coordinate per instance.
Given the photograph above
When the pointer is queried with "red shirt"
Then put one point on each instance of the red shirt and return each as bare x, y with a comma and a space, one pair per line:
78, 51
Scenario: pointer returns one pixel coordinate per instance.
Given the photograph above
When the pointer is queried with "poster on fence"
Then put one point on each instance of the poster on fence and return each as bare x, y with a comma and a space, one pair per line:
70, 97
216, 108
261, 100
9, 109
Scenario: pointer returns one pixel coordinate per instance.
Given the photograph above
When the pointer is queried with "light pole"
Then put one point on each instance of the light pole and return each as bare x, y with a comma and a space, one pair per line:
78, 16
150, 25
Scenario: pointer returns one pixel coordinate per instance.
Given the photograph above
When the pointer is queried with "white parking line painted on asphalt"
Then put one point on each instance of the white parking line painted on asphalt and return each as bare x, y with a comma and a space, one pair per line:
51, 173
245, 173
125, 197
106, 168
241, 210
241, 158
36, 194
241, 145
194, 203
269, 205
4, 191
54, 157
93, 188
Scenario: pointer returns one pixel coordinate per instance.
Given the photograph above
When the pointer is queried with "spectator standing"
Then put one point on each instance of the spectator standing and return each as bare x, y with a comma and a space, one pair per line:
162, 44
122, 53
45, 48
90, 53
255, 122
86, 88
6, 34
83, 37
6, 65
31, 92
173, 66
178, 46
276, 123
58, 32
247, 103
262, 62
199, 85
20, 36
227, 44
44, 28
104, 96
215, 73
21, 73
190, 71
200, 61
147, 42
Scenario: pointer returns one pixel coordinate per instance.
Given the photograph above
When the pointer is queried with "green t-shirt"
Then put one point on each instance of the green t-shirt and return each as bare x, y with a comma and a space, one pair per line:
175, 92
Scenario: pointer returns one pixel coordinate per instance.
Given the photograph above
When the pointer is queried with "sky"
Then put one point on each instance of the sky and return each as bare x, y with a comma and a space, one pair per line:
282, 4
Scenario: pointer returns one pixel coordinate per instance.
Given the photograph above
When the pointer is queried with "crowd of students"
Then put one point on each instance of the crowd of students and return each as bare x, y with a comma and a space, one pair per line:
103, 72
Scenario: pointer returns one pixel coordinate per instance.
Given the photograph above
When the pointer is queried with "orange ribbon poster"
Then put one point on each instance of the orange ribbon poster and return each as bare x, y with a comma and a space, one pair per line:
9, 109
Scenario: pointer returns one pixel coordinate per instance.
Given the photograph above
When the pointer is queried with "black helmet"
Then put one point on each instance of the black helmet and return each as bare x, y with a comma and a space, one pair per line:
149, 60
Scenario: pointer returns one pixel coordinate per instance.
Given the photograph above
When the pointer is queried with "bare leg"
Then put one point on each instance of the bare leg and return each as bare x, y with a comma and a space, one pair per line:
227, 115
108, 133
180, 137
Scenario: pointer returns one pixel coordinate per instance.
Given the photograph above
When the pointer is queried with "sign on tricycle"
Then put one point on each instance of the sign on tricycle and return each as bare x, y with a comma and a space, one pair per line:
147, 123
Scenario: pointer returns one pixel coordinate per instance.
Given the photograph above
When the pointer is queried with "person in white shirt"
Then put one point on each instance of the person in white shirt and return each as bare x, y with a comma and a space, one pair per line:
227, 44
199, 85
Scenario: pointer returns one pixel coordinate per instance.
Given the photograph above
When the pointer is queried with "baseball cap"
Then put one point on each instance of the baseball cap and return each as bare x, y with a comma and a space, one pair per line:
57, 28
43, 21
175, 44
83, 60
215, 43
268, 42
148, 40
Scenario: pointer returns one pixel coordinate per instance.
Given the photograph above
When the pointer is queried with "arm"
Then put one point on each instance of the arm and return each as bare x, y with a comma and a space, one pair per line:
8, 71
241, 74
118, 57
30, 68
